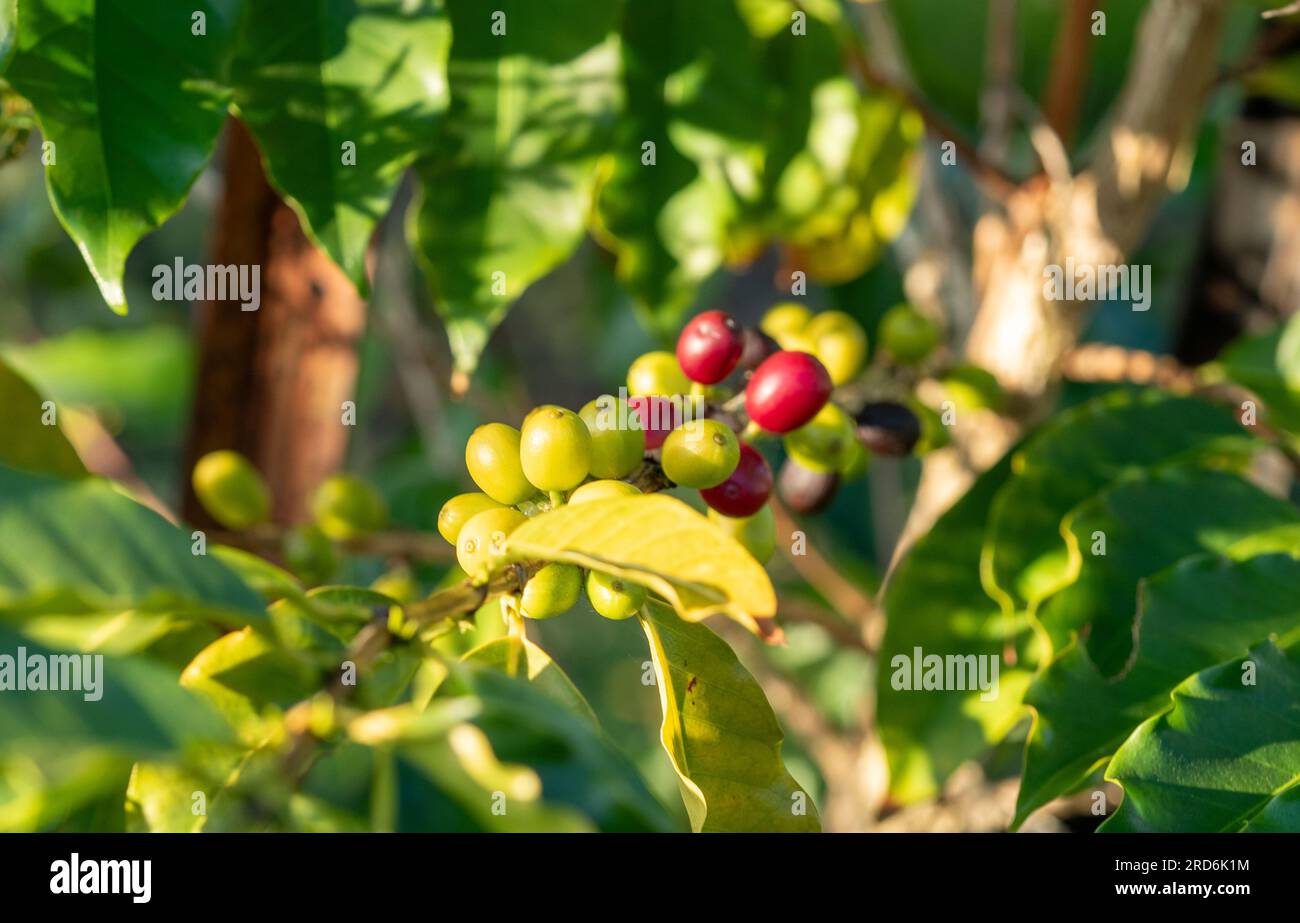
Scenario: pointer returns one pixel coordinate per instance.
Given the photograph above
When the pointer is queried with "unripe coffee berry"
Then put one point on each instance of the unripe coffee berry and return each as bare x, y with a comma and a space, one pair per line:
613, 597
656, 373
346, 507
552, 591
555, 448
617, 442
459, 510
492, 457
603, 490
231, 490
785, 321
482, 541
757, 533
825, 443
310, 554
700, 454
746, 490
787, 391
709, 347
840, 343
907, 334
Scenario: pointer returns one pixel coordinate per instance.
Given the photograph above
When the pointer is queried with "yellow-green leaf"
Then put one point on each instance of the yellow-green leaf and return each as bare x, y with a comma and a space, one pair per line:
661, 543
721, 734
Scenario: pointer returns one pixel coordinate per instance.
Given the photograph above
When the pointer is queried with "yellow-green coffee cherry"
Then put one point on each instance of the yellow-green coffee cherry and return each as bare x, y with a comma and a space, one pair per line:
552, 591
617, 446
825, 443
974, 388
310, 554
555, 448
346, 507
657, 373
459, 510
231, 490
613, 597
840, 343
907, 334
602, 490
785, 323
700, 454
757, 533
482, 541
492, 457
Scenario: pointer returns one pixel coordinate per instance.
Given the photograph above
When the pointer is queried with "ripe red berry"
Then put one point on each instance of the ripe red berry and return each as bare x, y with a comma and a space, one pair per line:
656, 415
787, 391
709, 347
745, 492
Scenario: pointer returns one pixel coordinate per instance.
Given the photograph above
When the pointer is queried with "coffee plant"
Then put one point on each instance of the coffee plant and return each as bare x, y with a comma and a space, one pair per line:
1105, 605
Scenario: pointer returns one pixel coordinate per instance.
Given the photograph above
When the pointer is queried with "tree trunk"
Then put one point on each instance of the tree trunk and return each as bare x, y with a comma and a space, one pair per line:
272, 382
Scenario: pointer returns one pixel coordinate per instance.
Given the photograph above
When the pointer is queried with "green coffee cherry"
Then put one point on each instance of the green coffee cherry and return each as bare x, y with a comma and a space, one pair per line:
492, 457
552, 591
310, 554
459, 510
973, 388
613, 597
482, 541
858, 462
555, 448
657, 373
840, 343
757, 533
785, 323
602, 490
231, 490
700, 454
346, 507
825, 443
617, 447
907, 334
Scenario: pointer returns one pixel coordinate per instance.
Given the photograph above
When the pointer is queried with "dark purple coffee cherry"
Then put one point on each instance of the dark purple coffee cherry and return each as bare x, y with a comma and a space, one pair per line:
804, 491
887, 428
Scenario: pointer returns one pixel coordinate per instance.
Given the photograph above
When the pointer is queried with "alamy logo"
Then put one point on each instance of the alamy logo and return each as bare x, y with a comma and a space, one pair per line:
1093, 282
103, 876
24, 672
196, 283
954, 672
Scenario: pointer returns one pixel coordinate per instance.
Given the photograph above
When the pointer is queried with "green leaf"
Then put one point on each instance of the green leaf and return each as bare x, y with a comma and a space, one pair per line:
29, 443
667, 220
523, 659
1073, 457
133, 102
507, 192
1149, 523
341, 96
1202, 611
126, 705
70, 547
657, 541
1280, 815
1226, 749
721, 734
250, 680
934, 601
8, 23
1268, 365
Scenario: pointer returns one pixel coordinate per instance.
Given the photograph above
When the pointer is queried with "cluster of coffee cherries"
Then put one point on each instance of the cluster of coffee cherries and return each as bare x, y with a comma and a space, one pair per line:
689, 419
344, 508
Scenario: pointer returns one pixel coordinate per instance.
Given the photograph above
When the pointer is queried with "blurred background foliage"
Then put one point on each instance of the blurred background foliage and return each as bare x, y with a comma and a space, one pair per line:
573, 333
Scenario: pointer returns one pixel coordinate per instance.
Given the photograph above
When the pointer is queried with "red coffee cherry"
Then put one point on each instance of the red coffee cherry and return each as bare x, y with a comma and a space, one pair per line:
656, 416
787, 391
709, 347
745, 492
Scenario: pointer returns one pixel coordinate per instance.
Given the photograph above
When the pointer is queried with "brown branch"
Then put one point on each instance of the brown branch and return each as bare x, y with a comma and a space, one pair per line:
1063, 100
268, 541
